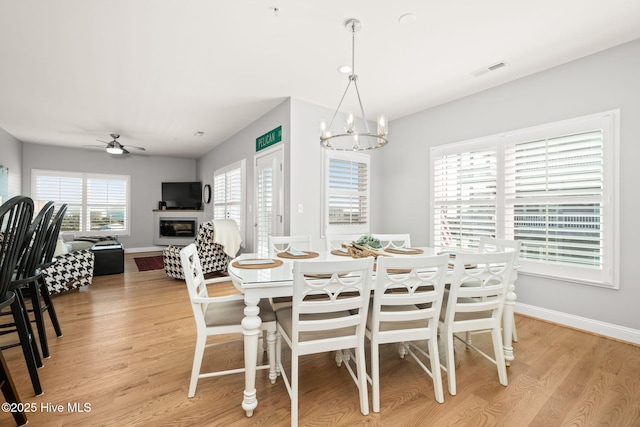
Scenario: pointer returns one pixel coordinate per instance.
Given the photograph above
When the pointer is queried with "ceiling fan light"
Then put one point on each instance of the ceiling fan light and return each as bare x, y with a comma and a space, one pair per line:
114, 150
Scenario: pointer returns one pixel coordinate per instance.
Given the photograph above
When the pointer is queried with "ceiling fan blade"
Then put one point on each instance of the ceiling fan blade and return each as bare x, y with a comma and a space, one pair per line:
136, 148
125, 151
94, 146
99, 140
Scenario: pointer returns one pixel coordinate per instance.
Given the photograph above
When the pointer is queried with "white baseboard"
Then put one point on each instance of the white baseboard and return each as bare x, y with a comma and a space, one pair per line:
601, 328
149, 249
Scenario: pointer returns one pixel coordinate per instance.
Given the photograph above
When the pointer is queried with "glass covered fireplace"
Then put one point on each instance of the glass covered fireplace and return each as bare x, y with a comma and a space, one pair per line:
176, 227
184, 227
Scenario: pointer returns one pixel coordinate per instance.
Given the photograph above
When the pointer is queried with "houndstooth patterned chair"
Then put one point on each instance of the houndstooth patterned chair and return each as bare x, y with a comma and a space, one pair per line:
212, 255
71, 271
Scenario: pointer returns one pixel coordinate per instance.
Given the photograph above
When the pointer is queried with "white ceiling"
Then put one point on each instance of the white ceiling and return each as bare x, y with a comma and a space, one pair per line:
157, 71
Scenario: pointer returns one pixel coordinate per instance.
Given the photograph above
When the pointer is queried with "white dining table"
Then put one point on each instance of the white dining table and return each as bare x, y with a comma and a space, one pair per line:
272, 282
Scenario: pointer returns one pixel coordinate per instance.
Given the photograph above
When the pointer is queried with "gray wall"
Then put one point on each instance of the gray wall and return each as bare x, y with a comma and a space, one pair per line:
240, 146
147, 174
302, 167
11, 157
306, 170
604, 81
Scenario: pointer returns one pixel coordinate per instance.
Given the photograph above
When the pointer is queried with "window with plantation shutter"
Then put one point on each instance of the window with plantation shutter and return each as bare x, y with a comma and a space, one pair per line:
554, 195
553, 187
96, 203
346, 193
228, 194
464, 198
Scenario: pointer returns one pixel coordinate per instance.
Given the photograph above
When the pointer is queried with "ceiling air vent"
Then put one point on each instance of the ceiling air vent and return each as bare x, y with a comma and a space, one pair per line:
492, 67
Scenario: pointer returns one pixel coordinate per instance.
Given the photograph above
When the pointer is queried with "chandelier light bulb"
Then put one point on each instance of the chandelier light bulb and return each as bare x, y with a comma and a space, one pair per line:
350, 124
382, 125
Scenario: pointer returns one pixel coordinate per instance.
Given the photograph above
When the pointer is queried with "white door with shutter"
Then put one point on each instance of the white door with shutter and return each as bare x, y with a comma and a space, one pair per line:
269, 193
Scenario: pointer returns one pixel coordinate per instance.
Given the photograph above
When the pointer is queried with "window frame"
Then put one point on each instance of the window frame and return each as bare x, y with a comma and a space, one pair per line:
226, 170
333, 229
84, 205
609, 121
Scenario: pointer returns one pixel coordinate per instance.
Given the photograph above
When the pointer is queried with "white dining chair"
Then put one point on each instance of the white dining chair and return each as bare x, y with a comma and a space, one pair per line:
405, 309
219, 316
329, 313
489, 244
474, 303
279, 244
334, 241
393, 241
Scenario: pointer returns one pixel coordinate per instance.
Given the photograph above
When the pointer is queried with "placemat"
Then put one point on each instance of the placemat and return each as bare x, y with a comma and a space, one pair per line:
409, 251
323, 276
340, 253
274, 263
393, 270
289, 256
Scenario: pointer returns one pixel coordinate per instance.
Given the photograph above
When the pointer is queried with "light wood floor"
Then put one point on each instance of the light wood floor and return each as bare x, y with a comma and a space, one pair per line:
128, 345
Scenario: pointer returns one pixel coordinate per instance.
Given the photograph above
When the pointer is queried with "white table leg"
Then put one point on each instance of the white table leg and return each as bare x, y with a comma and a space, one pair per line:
507, 324
271, 353
278, 352
251, 330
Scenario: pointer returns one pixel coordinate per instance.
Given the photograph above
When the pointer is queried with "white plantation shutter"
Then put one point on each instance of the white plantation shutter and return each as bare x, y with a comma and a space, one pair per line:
96, 203
234, 195
347, 193
265, 207
219, 195
464, 198
228, 197
553, 187
106, 203
554, 195
60, 188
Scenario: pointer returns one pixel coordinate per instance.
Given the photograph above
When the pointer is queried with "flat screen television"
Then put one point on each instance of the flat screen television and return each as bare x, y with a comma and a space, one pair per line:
182, 195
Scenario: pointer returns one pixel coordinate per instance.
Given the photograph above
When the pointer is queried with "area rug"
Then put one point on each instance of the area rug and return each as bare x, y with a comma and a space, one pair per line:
150, 263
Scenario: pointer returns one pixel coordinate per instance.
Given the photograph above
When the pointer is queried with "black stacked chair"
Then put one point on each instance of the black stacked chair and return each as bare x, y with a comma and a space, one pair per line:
15, 217
28, 274
40, 296
25, 276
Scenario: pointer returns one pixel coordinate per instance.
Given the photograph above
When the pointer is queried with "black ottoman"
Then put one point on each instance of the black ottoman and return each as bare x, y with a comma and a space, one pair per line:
109, 258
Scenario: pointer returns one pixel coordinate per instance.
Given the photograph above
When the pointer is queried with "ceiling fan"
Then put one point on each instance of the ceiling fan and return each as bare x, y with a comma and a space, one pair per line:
114, 147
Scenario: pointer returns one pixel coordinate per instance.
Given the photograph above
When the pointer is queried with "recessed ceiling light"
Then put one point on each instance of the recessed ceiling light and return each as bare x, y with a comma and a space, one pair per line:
199, 133
344, 69
407, 19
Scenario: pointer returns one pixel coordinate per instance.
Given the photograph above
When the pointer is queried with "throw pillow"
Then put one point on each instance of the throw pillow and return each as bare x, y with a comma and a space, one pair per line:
61, 248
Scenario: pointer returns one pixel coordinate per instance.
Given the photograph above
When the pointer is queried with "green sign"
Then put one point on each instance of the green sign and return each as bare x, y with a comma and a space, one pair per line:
269, 138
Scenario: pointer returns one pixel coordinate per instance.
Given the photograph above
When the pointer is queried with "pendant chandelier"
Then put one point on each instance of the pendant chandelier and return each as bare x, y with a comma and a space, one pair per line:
354, 137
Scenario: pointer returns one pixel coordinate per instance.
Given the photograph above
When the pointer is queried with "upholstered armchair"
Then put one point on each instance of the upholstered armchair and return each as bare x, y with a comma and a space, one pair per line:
72, 270
217, 242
